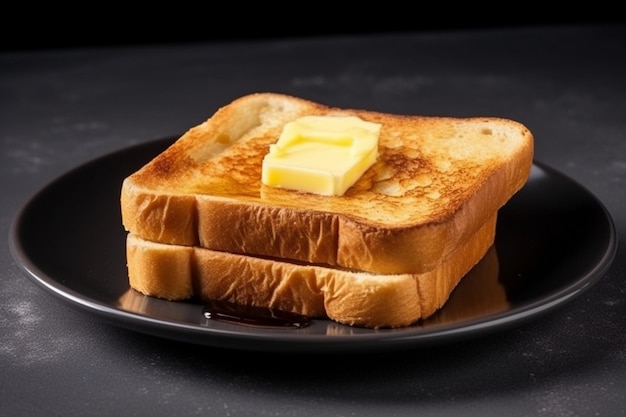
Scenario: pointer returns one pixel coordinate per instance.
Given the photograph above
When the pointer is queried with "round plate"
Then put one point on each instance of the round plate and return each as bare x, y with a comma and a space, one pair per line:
554, 239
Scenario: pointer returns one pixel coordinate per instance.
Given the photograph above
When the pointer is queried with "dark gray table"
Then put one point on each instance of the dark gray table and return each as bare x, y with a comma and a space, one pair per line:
62, 108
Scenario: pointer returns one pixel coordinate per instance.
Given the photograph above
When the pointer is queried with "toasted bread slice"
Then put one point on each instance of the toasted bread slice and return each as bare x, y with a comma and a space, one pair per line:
436, 182
355, 298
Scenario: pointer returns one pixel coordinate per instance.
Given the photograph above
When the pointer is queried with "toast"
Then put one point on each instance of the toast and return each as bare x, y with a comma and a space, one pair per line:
479, 293
390, 251
437, 180
354, 298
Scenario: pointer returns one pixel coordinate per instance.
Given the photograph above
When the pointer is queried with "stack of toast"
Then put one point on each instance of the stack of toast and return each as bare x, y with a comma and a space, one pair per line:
387, 253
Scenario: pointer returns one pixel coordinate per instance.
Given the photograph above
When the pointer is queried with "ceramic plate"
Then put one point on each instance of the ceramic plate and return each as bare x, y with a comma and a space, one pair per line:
554, 240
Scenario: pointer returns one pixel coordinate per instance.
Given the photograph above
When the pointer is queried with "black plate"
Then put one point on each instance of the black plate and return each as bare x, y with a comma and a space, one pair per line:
554, 240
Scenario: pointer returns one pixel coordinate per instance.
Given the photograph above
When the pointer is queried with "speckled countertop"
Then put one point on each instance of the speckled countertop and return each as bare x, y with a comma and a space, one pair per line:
62, 108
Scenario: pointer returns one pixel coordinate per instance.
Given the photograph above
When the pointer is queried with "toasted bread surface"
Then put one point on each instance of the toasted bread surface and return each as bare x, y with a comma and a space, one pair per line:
177, 272
436, 182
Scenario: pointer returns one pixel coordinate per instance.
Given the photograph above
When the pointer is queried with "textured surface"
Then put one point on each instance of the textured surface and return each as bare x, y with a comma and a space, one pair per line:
63, 108
450, 176
354, 298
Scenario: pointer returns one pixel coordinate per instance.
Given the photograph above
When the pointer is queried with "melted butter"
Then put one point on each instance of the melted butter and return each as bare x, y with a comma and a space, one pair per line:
321, 154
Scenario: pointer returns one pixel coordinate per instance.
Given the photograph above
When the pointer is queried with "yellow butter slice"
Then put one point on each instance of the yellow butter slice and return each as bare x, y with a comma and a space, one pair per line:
321, 154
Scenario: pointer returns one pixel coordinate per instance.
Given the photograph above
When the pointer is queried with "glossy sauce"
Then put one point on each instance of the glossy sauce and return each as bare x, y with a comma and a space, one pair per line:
253, 316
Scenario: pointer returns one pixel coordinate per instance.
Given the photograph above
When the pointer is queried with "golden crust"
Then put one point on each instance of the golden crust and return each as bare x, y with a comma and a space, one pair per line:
177, 272
436, 182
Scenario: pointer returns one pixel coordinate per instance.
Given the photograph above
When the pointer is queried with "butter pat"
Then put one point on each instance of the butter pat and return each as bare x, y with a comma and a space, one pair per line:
321, 154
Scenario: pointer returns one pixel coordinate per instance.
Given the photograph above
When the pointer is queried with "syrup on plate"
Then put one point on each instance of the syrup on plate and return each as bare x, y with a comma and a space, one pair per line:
253, 316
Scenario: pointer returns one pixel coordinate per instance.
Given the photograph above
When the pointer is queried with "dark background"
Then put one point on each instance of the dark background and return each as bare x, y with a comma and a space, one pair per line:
61, 109
105, 24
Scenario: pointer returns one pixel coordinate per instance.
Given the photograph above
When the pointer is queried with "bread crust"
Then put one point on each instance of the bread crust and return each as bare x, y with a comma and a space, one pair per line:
176, 272
436, 182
